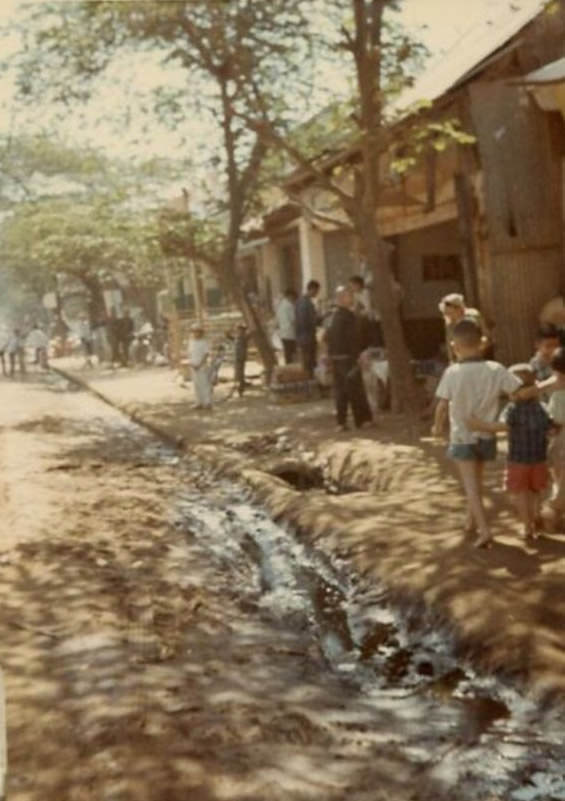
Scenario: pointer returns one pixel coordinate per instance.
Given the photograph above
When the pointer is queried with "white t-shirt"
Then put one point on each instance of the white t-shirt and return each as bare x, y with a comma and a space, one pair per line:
286, 319
197, 350
556, 406
473, 389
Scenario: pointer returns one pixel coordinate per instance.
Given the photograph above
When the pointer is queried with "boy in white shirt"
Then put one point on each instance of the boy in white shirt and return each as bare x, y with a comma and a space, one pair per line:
469, 388
198, 356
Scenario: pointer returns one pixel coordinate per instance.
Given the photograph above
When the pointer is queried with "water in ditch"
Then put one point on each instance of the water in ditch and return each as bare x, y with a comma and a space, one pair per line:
470, 732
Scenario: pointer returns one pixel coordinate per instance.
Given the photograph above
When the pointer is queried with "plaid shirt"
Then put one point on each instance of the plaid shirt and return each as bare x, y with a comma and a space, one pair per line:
528, 424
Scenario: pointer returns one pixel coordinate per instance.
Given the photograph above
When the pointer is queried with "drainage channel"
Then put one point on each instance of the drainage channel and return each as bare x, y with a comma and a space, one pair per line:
468, 731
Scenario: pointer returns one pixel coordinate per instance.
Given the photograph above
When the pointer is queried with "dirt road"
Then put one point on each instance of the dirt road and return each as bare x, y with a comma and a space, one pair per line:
153, 650
133, 670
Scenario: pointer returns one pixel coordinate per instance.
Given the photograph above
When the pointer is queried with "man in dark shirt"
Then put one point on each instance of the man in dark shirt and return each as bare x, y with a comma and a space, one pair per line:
306, 324
344, 349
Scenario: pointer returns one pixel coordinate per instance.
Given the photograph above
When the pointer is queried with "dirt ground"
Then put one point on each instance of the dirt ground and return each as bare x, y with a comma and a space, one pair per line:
133, 668
395, 510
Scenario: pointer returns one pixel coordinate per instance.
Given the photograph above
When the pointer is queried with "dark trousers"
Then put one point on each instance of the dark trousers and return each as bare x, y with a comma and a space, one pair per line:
309, 353
350, 391
289, 348
123, 351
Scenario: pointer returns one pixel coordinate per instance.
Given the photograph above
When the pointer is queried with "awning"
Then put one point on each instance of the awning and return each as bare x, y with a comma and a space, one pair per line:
547, 85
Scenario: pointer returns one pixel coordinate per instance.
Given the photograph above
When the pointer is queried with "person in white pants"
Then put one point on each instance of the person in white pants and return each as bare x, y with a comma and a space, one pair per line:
198, 356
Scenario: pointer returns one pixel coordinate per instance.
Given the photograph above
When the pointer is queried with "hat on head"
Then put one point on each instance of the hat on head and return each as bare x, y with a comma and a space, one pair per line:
454, 299
197, 327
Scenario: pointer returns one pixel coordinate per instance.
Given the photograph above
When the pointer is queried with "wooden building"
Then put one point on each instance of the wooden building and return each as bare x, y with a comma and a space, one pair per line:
486, 219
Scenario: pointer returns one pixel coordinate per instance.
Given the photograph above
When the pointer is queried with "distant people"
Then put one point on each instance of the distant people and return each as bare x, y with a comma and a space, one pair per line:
547, 342
241, 345
4, 338
527, 476
344, 350
113, 335
471, 388
85, 336
125, 328
16, 352
198, 358
38, 340
307, 321
454, 310
286, 323
556, 454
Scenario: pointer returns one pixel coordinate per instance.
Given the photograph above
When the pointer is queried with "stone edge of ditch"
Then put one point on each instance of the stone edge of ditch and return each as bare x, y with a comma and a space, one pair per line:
293, 508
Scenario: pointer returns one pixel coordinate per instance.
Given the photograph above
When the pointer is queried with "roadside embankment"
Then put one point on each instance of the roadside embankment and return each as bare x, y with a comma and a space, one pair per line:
388, 505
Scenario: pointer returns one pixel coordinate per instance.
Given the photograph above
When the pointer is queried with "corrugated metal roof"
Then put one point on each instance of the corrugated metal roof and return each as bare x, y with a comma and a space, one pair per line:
551, 73
469, 52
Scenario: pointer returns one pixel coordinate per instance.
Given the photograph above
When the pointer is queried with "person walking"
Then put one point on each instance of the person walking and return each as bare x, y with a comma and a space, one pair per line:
306, 323
286, 323
344, 349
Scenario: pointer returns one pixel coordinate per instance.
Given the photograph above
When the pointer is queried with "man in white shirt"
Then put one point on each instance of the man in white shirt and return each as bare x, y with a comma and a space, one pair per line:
286, 323
198, 356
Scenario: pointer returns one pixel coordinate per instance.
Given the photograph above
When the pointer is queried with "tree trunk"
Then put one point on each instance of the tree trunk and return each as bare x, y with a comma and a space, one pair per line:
96, 303
401, 376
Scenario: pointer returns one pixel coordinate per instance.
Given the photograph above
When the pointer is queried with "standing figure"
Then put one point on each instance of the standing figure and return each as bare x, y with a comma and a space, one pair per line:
547, 342
39, 341
306, 323
85, 334
4, 339
240, 357
286, 322
198, 356
527, 476
454, 310
125, 335
113, 335
471, 388
344, 349
556, 454
16, 352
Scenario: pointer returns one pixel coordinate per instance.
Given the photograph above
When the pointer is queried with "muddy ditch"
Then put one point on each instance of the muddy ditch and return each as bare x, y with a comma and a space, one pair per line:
472, 732
467, 730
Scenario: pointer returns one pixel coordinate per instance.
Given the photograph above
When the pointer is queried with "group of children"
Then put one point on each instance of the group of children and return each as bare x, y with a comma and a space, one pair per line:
469, 395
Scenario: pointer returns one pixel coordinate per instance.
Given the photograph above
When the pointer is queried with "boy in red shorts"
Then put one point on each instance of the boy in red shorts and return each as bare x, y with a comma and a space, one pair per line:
528, 424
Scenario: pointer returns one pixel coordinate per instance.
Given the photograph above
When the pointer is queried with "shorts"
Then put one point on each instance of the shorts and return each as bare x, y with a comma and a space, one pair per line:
526, 477
484, 450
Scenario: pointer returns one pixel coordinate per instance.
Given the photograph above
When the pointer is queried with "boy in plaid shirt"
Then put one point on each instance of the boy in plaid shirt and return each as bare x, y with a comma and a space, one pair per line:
528, 424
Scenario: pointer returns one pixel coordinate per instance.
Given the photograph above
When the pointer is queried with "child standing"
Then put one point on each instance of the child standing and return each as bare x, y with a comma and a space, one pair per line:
198, 355
471, 388
527, 475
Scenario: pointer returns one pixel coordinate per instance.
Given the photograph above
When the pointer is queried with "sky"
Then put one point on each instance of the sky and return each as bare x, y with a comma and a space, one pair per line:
443, 25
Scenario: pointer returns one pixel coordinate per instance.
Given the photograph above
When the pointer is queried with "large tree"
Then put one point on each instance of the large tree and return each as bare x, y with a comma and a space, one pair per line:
376, 150
230, 52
